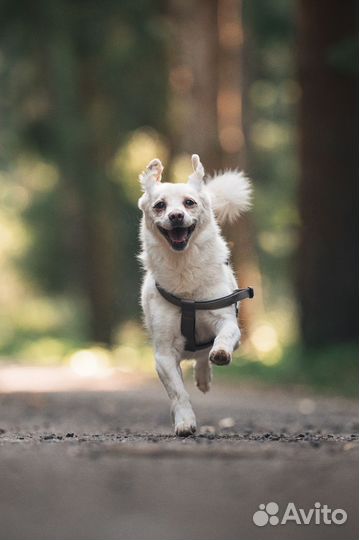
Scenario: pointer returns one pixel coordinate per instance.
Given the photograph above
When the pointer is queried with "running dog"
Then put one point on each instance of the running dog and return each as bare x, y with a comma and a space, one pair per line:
189, 293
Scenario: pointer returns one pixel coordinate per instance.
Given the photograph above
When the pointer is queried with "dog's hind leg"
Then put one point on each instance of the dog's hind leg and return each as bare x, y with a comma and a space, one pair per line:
170, 373
203, 375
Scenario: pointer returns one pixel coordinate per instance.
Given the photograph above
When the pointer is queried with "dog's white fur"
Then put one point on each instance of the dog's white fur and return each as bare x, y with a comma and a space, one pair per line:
200, 271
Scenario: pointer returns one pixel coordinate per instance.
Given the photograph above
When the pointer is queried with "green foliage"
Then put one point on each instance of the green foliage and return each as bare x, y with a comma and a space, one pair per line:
78, 78
332, 370
272, 149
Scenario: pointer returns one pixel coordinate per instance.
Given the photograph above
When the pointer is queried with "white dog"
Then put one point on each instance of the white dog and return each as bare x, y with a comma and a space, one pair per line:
185, 257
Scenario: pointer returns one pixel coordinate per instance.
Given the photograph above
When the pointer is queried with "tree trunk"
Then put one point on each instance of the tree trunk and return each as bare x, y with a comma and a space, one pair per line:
327, 266
207, 80
233, 150
84, 179
194, 79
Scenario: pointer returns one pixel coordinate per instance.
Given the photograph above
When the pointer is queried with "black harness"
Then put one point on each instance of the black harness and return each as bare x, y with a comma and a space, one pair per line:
189, 307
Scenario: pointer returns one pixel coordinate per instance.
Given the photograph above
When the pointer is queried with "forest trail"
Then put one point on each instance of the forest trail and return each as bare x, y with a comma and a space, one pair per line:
105, 465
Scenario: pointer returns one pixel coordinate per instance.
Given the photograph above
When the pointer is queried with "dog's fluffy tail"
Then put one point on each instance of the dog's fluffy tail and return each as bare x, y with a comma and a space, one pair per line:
231, 195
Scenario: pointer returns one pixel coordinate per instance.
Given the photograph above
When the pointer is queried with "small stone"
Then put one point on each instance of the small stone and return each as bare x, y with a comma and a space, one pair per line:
226, 423
207, 430
70, 435
349, 446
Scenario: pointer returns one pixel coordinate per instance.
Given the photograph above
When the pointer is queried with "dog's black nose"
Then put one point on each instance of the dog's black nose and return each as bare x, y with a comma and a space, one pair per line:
176, 217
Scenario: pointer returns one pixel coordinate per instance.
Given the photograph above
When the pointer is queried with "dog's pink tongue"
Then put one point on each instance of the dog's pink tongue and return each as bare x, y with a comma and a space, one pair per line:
178, 235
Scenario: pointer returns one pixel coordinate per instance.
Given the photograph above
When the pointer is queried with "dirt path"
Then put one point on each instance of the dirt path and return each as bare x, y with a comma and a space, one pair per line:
105, 466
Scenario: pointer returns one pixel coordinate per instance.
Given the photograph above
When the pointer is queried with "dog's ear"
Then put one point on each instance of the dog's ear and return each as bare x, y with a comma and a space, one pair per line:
196, 178
151, 175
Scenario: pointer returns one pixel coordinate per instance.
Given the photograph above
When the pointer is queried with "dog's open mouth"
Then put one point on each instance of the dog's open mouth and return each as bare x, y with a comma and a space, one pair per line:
178, 237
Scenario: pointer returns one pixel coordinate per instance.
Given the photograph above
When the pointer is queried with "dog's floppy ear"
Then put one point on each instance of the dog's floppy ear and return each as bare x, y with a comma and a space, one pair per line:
151, 175
196, 178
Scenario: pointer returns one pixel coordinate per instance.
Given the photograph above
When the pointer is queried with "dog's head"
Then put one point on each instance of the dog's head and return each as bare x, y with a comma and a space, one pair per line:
174, 212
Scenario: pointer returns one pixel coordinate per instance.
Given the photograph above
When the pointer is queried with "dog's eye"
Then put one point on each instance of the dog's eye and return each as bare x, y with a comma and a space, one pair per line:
160, 205
189, 202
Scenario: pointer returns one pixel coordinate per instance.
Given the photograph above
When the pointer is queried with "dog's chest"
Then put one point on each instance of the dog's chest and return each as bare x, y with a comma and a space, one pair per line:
193, 282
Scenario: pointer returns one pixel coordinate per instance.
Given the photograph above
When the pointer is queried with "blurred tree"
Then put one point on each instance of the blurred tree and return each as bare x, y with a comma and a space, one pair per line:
207, 78
79, 77
231, 101
269, 95
327, 263
194, 79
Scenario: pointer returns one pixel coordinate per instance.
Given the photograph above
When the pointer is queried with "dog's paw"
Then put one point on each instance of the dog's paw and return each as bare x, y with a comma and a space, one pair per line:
203, 385
184, 421
220, 357
185, 428
203, 377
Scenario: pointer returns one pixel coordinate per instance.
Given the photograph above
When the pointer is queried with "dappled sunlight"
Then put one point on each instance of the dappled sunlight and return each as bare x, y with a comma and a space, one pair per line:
25, 312
38, 329
47, 365
269, 135
133, 359
142, 146
133, 351
270, 337
263, 94
264, 339
93, 362
14, 378
278, 243
181, 168
43, 350
35, 174
42, 314
14, 238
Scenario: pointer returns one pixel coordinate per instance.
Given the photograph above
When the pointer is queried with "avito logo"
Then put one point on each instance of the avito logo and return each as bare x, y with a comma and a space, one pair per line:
320, 514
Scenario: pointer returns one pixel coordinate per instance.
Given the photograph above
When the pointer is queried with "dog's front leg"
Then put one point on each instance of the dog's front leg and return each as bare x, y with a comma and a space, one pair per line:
228, 338
170, 373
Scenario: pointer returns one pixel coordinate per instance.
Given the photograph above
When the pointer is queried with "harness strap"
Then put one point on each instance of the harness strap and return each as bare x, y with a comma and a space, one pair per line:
188, 324
189, 307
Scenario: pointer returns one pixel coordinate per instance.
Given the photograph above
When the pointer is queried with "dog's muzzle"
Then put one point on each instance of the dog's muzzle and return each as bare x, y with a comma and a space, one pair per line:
178, 236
